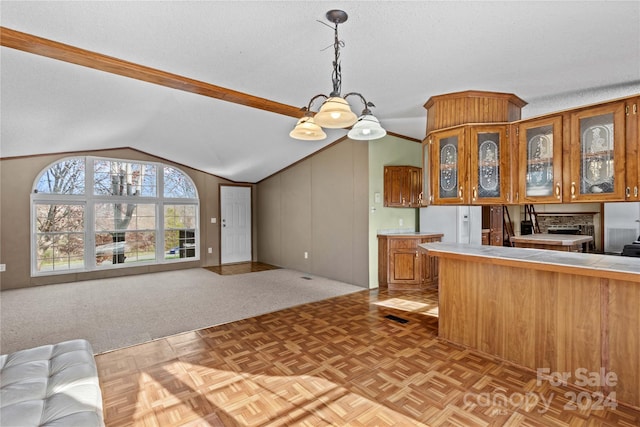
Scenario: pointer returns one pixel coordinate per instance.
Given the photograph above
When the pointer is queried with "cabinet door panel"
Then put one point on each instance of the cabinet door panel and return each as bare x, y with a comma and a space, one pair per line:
489, 164
415, 186
395, 186
449, 167
632, 166
402, 186
540, 177
404, 267
597, 153
427, 189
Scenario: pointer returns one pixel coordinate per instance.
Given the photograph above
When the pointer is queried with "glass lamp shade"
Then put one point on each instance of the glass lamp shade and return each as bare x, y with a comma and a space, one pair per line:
335, 113
307, 130
367, 128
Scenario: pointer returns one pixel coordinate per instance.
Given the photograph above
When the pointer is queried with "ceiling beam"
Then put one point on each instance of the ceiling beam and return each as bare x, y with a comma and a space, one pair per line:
63, 52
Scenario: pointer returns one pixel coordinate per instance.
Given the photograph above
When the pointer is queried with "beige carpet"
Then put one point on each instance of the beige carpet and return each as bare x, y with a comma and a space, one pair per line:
120, 312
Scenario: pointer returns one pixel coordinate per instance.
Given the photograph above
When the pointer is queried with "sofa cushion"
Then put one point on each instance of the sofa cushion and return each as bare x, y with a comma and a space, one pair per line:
50, 385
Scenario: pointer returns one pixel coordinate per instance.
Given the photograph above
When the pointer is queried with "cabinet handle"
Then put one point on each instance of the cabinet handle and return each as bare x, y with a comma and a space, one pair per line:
460, 193
558, 190
573, 190
635, 109
417, 254
517, 196
475, 194
627, 192
635, 191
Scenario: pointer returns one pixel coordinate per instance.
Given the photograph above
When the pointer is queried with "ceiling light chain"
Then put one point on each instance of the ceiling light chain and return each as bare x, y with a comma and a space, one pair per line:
335, 111
336, 77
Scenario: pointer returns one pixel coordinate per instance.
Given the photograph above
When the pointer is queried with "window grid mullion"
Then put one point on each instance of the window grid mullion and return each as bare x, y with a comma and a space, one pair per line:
89, 218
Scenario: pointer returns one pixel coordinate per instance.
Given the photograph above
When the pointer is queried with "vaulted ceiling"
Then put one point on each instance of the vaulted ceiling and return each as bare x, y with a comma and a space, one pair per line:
554, 55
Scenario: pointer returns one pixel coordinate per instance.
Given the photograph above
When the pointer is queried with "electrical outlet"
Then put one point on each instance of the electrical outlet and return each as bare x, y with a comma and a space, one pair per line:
306, 255
210, 250
3, 267
213, 220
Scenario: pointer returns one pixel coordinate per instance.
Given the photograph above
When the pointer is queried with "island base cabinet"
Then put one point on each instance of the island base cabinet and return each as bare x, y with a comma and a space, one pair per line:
546, 320
623, 335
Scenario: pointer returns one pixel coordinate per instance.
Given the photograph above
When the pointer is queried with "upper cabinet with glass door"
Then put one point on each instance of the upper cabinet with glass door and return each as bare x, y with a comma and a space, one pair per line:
540, 160
448, 169
489, 169
586, 154
597, 154
470, 165
468, 148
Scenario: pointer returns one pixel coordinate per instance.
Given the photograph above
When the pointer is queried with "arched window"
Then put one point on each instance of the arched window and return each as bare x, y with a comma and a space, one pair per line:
91, 213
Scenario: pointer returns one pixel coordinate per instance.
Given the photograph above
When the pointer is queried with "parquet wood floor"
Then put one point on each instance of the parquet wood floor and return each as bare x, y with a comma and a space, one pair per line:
241, 268
335, 362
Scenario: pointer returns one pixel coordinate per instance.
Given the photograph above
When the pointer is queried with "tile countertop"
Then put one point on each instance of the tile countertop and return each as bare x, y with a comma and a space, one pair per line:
410, 233
605, 266
553, 239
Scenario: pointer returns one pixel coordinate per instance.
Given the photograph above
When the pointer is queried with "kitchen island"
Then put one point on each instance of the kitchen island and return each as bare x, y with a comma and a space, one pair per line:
541, 309
557, 242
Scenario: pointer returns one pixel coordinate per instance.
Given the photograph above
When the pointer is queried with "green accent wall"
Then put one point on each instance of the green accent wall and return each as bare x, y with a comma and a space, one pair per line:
388, 151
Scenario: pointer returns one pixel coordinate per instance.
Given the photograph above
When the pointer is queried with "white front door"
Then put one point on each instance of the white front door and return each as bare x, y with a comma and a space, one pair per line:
235, 224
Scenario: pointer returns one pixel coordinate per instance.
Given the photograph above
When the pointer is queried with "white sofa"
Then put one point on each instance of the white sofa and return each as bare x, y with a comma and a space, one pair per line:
51, 385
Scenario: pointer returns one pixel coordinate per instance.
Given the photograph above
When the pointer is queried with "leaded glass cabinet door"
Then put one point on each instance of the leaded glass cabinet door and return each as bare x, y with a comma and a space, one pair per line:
540, 144
449, 166
489, 171
598, 153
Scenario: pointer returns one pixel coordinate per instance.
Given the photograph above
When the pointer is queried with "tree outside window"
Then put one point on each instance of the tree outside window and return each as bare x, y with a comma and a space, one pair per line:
131, 221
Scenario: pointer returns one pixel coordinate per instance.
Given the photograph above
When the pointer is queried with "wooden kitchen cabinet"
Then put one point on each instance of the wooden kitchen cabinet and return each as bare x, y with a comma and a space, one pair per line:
486, 239
539, 171
471, 106
582, 155
632, 116
402, 186
597, 154
448, 168
585, 154
470, 165
402, 265
489, 170
496, 225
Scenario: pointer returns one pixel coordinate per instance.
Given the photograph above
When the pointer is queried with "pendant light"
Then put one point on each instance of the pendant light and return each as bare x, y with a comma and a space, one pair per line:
367, 128
307, 130
335, 112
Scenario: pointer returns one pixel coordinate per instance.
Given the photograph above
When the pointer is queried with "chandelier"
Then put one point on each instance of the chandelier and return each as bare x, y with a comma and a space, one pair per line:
335, 112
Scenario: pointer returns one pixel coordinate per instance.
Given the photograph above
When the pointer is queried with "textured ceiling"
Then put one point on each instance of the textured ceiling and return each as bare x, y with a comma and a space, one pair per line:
554, 55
